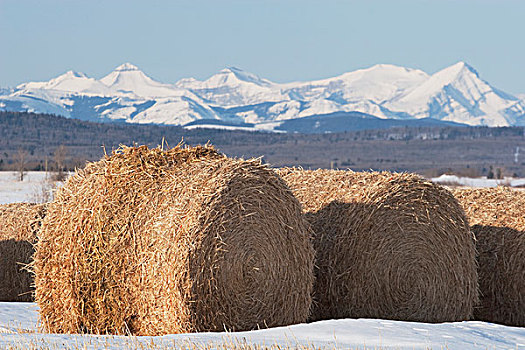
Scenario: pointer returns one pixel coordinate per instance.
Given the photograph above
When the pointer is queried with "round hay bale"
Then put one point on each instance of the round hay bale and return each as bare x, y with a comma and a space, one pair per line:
388, 245
151, 242
19, 224
498, 218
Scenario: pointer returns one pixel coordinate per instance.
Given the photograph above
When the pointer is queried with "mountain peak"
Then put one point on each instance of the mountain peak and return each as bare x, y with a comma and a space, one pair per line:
126, 67
462, 64
384, 66
128, 78
73, 74
458, 71
122, 74
460, 67
231, 73
231, 70
235, 70
70, 82
384, 72
457, 93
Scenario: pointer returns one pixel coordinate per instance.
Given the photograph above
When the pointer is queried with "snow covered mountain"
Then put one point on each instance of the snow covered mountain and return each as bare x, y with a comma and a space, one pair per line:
378, 83
128, 78
235, 97
70, 81
233, 87
126, 94
458, 94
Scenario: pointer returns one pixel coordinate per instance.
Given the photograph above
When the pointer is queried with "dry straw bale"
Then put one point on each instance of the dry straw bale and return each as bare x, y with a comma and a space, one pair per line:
388, 246
19, 223
498, 219
152, 242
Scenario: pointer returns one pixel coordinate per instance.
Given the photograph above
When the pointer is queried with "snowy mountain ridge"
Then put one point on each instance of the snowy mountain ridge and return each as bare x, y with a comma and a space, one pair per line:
233, 96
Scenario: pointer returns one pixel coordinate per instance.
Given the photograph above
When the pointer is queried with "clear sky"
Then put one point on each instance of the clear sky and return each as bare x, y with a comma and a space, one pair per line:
281, 40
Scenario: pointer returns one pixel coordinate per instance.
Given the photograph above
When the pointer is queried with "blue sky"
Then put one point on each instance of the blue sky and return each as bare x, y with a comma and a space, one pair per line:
278, 39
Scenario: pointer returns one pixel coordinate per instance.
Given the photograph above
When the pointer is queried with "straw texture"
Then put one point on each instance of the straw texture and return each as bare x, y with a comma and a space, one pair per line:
388, 246
498, 219
19, 223
151, 242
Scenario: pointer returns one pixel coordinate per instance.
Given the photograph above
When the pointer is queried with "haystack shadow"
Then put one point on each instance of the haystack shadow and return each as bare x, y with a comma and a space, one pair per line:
501, 261
16, 282
376, 261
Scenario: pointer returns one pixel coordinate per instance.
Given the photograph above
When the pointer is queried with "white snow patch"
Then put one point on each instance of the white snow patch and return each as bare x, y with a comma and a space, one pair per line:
16, 319
256, 127
12, 190
478, 182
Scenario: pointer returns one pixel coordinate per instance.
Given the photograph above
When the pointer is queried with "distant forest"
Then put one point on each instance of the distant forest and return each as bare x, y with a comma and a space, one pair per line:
430, 151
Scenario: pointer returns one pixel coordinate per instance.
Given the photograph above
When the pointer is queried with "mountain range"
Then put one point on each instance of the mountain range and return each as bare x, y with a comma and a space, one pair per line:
234, 98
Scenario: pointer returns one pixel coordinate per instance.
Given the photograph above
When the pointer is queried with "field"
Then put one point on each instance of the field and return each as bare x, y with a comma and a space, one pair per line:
12, 190
19, 329
35, 182
19, 323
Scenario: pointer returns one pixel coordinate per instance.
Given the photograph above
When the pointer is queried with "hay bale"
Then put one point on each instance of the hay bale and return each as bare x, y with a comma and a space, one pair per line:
390, 246
152, 242
19, 223
498, 219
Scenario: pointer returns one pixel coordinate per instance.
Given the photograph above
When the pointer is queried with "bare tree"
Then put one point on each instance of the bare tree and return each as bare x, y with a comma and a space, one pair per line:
60, 162
45, 192
21, 163
499, 173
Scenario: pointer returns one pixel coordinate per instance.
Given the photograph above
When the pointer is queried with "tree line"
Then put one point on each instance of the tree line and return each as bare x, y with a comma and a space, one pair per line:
36, 139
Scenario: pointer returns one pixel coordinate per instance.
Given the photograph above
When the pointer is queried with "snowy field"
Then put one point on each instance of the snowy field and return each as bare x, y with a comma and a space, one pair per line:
12, 190
19, 327
478, 181
19, 322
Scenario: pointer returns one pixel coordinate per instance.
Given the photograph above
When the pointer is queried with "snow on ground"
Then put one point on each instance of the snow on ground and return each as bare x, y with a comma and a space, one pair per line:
270, 126
12, 190
19, 326
19, 321
478, 181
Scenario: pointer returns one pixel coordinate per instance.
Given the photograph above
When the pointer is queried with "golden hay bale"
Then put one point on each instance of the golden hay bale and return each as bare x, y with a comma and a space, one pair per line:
151, 242
388, 246
19, 223
498, 219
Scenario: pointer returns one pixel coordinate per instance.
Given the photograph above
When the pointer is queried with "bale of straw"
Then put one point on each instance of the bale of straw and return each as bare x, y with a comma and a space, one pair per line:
388, 245
151, 242
498, 219
19, 223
